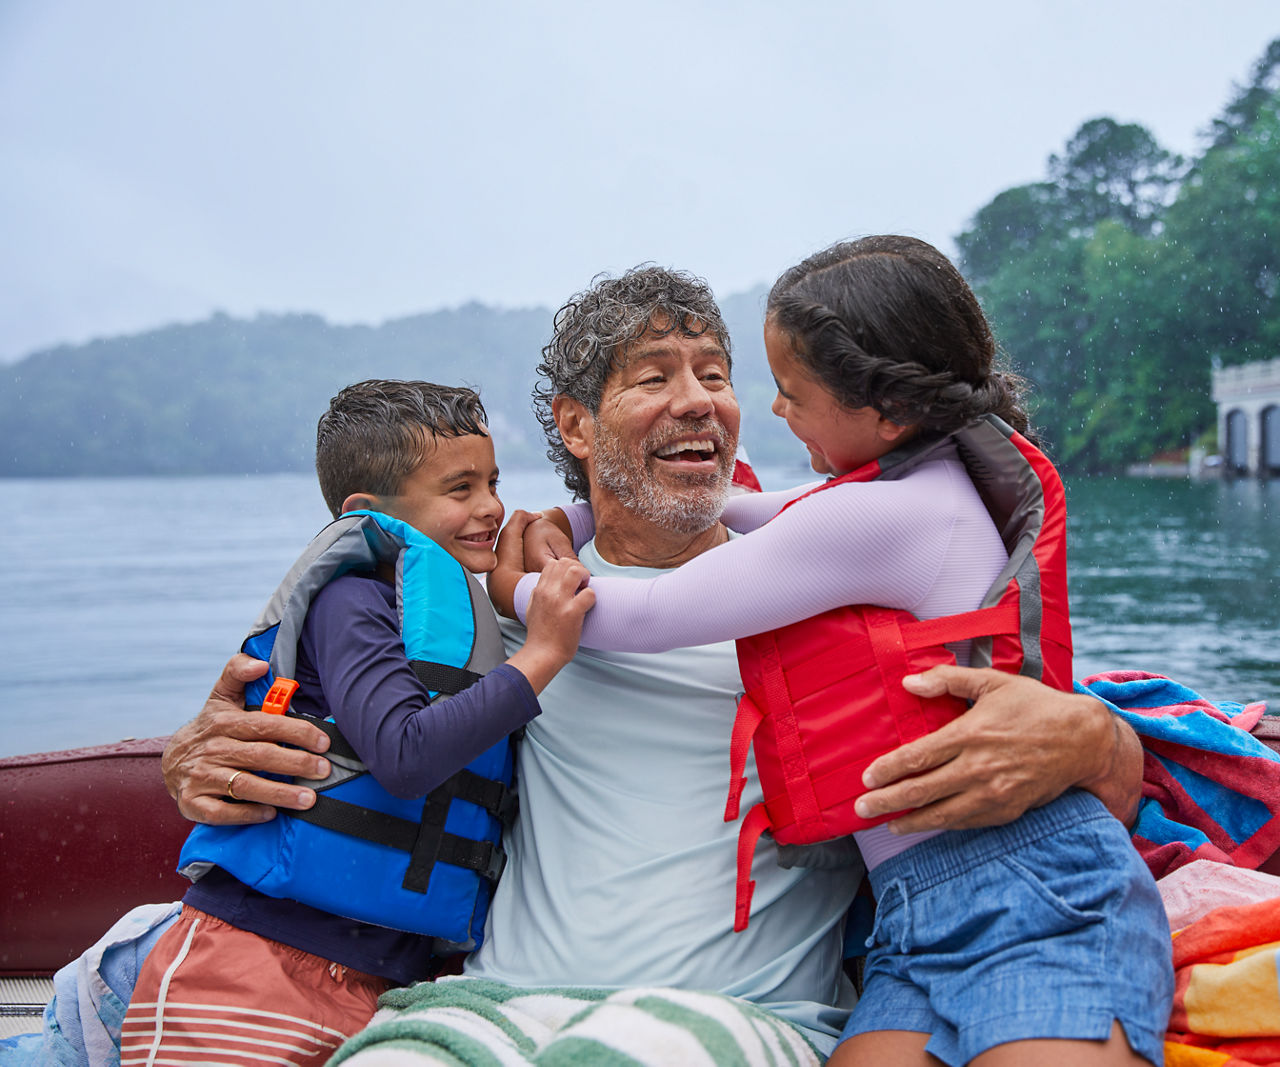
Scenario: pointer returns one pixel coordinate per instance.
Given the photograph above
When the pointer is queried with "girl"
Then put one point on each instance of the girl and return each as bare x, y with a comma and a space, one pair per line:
1042, 940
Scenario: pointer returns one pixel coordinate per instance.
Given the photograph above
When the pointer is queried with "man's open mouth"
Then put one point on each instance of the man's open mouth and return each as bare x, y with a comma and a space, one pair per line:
688, 450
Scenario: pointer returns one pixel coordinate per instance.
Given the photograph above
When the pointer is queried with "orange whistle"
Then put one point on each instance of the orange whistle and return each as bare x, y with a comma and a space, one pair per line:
276, 702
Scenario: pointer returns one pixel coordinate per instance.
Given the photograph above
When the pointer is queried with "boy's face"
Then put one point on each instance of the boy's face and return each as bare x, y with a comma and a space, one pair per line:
452, 498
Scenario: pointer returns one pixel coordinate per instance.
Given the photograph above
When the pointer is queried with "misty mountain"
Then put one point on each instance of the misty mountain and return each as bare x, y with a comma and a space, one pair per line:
232, 395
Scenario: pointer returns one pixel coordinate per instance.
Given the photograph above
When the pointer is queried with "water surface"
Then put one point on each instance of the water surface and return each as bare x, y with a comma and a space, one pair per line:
122, 597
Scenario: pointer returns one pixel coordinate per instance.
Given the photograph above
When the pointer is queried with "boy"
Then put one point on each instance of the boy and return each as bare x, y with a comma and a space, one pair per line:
244, 971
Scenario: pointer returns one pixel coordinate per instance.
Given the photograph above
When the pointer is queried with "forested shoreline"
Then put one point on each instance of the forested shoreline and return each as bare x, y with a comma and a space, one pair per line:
1115, 285
1119, 281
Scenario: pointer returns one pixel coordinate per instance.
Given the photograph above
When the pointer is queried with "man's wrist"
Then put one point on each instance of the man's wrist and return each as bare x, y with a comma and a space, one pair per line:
1116, 778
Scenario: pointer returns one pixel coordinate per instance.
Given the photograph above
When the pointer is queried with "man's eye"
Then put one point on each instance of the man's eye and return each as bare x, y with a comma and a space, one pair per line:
653, 379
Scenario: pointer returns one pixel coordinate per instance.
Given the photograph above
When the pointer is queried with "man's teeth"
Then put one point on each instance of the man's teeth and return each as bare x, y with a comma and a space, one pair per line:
707, 447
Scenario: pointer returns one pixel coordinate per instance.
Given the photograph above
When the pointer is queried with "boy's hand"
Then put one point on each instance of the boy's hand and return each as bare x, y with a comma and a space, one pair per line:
501, 581
224, 740
554, 621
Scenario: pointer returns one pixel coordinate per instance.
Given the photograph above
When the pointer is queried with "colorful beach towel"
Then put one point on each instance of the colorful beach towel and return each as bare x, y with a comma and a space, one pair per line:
1210, 789
1226, 1004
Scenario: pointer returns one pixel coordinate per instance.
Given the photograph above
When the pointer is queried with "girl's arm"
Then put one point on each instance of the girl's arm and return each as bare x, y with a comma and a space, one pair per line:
743, 512
878, 543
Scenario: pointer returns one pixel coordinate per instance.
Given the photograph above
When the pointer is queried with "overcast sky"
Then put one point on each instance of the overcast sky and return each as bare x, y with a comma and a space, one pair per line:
370, 160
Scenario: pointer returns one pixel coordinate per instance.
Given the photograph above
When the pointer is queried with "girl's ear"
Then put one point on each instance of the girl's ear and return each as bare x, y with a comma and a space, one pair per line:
362, 502
576, 426
895, 432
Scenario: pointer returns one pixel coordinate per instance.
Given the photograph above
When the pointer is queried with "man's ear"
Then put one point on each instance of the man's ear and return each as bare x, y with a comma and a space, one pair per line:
575, 423
362, 502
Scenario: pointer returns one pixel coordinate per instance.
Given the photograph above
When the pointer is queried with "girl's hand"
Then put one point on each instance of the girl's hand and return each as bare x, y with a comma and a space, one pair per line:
546, 538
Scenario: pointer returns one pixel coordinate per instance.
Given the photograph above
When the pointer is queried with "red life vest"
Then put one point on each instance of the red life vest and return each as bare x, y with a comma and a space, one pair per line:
823, 697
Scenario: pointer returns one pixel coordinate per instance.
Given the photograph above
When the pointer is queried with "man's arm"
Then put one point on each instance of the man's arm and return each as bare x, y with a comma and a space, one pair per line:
202, 756
1021, 745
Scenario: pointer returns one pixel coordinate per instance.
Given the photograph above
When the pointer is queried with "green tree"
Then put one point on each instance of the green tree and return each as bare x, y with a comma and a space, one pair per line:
1143, 388
1114, 171
1009, 227
1251, 101
1226, 227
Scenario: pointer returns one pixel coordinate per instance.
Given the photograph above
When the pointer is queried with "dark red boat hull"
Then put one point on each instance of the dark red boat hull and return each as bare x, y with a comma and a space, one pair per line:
85, 835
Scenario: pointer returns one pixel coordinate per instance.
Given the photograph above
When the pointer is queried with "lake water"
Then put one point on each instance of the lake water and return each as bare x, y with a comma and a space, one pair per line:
123, 597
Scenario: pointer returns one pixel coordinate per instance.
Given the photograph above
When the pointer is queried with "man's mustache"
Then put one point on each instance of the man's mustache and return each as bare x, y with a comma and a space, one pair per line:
707, 426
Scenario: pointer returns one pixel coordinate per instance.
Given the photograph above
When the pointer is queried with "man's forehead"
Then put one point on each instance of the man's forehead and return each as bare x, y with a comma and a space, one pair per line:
656, 342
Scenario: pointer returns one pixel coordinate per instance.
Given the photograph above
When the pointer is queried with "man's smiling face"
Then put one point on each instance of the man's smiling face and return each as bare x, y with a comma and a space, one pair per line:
664, 439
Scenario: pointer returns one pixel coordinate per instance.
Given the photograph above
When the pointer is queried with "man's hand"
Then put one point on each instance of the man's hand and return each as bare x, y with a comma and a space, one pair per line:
202, 756
1021, 745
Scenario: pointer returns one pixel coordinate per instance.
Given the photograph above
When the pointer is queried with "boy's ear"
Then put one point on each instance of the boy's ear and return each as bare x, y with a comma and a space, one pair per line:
362, 502
575, 424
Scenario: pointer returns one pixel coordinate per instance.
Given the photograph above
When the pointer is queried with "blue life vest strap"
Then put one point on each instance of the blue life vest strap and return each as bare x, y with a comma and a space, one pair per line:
427, 842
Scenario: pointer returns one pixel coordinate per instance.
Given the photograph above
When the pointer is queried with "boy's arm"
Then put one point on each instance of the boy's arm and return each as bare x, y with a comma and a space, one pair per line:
410, 745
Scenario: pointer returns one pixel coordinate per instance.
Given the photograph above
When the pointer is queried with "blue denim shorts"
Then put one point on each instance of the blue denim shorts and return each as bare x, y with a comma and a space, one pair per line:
1050, 927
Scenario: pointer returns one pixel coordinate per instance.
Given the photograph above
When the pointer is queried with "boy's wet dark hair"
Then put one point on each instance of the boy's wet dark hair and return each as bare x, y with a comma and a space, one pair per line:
378, 432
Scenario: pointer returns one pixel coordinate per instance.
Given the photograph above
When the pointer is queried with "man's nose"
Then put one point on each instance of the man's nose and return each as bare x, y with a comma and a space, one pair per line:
690, 396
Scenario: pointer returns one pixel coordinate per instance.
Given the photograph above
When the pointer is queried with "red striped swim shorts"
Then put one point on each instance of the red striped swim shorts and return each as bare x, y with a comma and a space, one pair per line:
209, 992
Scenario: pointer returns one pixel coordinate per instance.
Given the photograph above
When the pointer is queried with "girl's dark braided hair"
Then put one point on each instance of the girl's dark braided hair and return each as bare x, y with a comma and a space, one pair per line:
887, 322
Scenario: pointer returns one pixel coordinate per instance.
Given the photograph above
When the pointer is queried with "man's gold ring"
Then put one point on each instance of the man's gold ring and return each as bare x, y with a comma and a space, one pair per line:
231, 782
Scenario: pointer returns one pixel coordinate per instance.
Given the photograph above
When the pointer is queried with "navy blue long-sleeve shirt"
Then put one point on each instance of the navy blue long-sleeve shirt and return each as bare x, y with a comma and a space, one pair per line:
352, 667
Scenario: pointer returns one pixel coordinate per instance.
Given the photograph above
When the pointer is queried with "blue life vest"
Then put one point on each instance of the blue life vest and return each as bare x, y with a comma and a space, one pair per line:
426, 865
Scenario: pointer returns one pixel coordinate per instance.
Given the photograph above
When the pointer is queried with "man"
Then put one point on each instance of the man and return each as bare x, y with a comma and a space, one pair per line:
621, 868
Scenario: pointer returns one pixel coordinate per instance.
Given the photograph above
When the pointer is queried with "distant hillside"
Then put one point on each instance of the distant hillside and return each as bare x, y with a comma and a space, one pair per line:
232, 395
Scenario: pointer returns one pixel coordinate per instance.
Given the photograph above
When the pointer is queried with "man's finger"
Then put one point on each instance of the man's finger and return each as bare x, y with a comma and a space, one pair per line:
239, 670
279, 730
968, 683
914, 758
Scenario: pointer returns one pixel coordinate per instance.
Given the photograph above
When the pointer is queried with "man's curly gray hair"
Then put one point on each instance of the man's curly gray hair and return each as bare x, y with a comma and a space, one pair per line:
592, 332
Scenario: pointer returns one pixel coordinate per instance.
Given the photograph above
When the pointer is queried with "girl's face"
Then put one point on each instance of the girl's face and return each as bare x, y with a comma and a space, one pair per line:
839, 439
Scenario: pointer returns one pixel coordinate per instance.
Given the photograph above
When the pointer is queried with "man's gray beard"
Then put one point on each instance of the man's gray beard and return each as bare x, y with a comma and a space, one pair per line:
623, 470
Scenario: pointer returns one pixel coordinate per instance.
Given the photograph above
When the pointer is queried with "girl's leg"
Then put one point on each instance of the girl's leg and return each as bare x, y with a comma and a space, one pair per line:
902, 1048
1114, 1052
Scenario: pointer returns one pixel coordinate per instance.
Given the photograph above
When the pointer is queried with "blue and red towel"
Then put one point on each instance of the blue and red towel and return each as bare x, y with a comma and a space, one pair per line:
1210, 790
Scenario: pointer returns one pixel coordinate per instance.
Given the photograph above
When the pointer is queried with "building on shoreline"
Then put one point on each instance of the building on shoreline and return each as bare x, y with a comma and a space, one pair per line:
1248, 399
